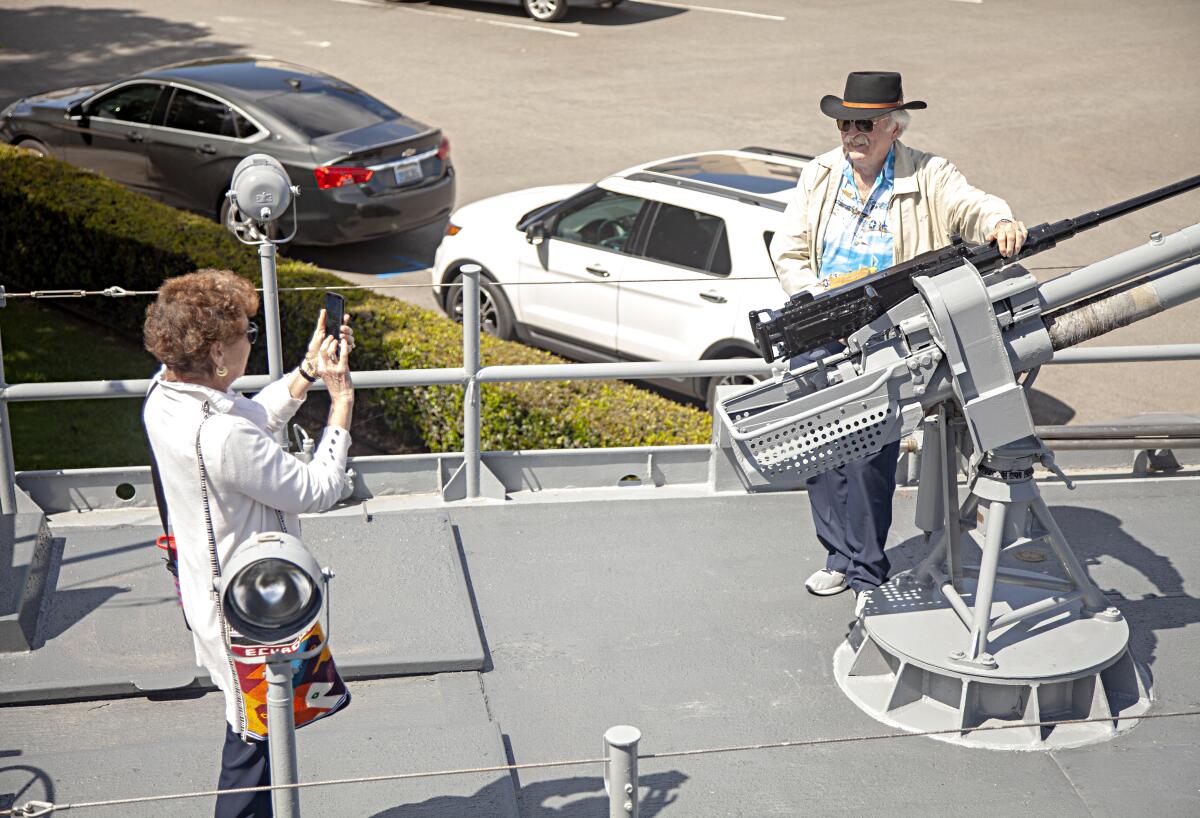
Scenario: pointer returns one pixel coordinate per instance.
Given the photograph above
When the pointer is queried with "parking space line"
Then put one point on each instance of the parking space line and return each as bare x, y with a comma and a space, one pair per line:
462, 17
715, 10
559, 32
404, 272
414, 10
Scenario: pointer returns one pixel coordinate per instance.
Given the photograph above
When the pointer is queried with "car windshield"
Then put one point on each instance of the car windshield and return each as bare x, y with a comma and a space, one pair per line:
739, 172
320, 110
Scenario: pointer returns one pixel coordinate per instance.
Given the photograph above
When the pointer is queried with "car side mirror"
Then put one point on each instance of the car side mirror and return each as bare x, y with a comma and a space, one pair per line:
536, 233
76, 112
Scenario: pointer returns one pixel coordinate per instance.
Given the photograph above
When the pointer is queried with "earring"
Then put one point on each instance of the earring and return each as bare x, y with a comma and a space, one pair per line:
222, 372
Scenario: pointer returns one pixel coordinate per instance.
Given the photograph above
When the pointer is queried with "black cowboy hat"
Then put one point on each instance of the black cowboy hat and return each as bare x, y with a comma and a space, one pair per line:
868, 94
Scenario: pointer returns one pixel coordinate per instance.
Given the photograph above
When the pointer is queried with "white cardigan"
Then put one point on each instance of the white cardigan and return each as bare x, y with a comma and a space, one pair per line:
249, 477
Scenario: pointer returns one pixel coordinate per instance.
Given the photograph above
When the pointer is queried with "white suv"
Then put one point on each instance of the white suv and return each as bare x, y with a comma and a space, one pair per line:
661, 262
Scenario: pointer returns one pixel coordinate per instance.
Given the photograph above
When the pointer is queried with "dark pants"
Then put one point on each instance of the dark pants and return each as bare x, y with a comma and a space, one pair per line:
244, 764
852, 511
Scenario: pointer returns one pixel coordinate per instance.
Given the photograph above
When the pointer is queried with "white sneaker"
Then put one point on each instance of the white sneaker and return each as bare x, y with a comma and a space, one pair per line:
860, 603
826, 583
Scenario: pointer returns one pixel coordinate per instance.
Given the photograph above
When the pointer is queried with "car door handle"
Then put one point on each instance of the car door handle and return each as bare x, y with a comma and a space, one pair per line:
134, 136
597, 270
714, 297
206, 148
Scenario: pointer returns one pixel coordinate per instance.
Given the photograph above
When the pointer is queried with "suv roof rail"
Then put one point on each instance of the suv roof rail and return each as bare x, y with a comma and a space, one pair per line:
708, 187
777, 152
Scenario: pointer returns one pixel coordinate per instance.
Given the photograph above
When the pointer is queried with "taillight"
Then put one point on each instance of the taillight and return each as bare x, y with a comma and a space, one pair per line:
328, 177
444, 149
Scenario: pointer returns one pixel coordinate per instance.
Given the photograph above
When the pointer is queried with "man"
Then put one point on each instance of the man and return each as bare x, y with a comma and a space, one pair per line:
864, 206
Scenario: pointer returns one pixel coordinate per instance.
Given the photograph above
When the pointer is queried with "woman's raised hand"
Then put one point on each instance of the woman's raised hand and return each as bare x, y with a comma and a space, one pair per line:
329, 358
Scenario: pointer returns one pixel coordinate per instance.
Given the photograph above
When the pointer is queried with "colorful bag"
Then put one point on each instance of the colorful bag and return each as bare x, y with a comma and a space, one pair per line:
317, 687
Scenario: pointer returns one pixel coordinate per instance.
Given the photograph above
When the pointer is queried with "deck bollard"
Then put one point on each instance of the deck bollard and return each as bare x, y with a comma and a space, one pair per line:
471, 399
620, 772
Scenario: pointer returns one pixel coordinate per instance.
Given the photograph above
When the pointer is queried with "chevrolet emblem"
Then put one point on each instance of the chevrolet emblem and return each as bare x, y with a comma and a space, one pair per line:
408, 152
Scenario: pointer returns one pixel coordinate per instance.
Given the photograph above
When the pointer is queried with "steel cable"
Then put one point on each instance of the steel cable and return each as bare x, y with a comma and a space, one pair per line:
33, 809
121, 292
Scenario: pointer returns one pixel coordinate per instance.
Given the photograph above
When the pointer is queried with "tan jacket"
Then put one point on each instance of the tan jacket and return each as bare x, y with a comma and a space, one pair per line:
931, 200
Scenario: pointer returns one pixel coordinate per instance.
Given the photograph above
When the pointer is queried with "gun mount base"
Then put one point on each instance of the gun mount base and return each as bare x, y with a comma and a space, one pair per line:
950, 646
899, 665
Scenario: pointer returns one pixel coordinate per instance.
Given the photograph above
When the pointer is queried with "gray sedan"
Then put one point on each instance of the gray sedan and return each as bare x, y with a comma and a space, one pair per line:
176, 133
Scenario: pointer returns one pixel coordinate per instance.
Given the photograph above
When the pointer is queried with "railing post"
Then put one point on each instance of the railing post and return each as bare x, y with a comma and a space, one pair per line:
471, 398
281, 739
8, 469
270, 283
621, 772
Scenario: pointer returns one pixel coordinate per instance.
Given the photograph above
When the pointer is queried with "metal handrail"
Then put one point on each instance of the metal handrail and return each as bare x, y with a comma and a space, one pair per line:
471, 375
457, 376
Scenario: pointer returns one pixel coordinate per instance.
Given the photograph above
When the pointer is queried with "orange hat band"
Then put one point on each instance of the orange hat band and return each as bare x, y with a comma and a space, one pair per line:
873, 104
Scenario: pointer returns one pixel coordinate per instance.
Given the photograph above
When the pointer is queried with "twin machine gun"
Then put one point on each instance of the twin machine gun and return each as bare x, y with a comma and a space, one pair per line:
940, 343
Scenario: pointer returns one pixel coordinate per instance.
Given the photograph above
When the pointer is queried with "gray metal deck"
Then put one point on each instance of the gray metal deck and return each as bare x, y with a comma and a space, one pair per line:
676, 609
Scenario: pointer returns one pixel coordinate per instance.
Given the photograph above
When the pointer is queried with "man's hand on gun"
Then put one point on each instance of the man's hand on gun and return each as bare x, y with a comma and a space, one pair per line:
1009, 237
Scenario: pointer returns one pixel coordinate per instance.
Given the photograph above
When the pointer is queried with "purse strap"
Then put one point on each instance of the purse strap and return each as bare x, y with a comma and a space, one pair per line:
214, 560
215, 567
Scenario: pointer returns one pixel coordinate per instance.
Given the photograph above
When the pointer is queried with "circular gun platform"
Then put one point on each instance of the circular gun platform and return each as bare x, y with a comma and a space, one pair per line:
899, 665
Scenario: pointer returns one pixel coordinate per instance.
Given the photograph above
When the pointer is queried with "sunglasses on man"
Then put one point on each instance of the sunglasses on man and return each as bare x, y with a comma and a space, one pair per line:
864, 125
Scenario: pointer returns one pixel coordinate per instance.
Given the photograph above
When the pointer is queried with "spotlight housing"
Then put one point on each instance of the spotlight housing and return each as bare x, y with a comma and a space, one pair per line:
260, 192
272, 589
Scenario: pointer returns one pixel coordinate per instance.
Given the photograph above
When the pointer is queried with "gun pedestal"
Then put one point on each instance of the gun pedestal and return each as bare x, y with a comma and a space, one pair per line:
952, 645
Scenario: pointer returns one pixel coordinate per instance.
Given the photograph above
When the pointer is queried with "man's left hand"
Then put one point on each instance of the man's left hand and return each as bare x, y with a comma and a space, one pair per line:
1009, 237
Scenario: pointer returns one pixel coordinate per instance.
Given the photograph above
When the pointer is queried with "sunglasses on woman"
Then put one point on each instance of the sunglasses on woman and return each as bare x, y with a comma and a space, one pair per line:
864, 125
251, 332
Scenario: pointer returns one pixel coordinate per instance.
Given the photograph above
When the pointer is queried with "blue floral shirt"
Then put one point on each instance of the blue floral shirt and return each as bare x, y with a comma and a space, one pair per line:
857, 241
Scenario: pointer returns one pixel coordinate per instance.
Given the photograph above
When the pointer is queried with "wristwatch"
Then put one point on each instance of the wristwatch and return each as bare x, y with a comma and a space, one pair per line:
304, 373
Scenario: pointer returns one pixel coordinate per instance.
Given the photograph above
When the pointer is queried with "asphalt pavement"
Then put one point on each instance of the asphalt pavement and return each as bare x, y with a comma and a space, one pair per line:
1060, 107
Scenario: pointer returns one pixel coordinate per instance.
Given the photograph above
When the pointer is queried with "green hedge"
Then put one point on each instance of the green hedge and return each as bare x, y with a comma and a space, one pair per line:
64, 228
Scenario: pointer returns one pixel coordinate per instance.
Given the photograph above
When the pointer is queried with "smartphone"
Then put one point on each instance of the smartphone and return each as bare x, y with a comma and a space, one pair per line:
335, 314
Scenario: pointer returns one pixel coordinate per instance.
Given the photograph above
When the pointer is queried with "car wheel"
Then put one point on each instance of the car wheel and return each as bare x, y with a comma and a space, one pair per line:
545, 11
710, 391
495, 313
33, 145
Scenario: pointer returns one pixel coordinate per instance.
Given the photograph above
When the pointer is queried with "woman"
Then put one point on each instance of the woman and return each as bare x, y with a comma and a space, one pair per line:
199, 328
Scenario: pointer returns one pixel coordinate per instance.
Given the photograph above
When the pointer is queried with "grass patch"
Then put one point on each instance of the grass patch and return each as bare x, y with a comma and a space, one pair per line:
43, 345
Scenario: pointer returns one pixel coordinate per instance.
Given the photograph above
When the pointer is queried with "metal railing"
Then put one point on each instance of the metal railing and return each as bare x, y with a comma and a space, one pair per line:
471, 375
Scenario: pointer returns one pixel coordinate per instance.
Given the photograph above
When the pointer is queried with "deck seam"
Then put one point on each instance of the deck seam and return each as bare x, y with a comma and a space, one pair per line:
1087, 807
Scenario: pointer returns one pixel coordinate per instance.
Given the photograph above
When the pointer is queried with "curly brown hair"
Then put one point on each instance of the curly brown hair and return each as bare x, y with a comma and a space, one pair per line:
191, 312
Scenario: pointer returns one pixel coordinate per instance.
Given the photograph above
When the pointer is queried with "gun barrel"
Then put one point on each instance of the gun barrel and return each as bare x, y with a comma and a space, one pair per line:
1114, 211
1127, 304
1110, 272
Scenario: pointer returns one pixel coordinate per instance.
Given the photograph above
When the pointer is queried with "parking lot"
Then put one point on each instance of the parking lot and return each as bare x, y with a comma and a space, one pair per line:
1059, 107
